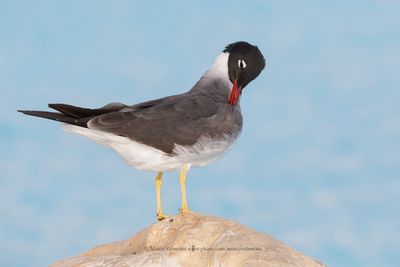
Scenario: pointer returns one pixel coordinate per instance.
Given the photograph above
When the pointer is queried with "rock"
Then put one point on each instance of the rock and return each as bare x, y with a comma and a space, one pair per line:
193, 240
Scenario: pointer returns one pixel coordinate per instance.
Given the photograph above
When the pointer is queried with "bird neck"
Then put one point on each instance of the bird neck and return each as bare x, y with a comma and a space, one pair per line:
219, 70
215, 81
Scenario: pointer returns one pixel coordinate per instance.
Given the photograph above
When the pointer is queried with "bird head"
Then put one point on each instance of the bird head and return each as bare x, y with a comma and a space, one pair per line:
245, 63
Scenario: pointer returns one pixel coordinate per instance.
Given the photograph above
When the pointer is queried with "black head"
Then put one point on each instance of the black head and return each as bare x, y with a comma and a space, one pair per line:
245, 63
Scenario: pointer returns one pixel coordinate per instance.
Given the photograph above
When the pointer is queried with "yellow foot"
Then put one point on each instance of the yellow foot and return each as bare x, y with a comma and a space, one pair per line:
161, 216
184, 210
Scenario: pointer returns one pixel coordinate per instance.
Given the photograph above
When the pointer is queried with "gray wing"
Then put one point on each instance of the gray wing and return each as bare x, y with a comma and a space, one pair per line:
162, 123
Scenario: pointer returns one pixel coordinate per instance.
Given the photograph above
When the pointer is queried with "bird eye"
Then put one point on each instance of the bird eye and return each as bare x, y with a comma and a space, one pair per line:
242, 63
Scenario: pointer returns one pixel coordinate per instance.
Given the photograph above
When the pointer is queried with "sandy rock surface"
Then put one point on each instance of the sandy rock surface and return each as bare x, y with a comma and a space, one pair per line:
193, 240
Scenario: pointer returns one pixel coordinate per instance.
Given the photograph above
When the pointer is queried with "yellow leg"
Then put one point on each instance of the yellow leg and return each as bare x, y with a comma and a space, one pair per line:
160, 213
182, 177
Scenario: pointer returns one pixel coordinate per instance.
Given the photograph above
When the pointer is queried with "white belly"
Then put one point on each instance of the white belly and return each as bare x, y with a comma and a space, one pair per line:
144, 157
205, 151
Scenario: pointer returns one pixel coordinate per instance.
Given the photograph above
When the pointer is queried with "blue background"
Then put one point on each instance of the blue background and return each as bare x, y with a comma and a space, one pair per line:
317, 165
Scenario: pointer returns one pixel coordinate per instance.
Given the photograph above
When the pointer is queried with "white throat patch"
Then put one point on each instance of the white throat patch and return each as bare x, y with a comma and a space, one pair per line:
219, 70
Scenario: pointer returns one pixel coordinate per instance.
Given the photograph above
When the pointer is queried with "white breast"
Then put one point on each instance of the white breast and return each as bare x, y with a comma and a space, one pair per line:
205, 151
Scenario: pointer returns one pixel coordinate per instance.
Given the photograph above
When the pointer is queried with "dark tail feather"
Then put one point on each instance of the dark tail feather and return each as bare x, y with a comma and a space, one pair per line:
78, 112
57, 117
68, 110
72, 114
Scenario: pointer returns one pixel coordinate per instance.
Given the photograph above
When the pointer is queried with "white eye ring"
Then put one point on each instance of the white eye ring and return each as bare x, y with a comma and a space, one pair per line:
242, 63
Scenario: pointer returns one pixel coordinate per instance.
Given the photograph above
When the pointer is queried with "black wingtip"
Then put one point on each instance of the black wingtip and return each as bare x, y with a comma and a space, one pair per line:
56, 116
26, 112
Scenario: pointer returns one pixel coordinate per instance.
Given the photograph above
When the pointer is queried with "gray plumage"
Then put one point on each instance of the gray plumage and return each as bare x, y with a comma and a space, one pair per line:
192, 128
179, 119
